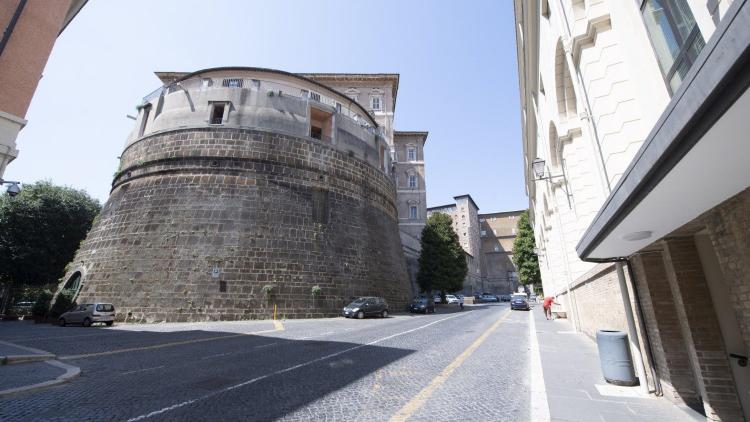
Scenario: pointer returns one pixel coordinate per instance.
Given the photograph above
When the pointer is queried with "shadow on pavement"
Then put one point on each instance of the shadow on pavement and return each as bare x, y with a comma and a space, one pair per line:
245, 377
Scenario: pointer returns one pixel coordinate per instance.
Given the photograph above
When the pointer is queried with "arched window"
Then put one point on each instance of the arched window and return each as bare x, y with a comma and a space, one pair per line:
73, 283
566, 96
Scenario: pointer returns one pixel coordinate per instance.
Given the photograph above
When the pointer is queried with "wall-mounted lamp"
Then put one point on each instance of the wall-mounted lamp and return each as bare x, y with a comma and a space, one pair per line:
539, 168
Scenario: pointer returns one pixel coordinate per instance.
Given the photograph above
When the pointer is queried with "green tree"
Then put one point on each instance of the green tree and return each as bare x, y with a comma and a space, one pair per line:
524, 257
442, 262
40, 230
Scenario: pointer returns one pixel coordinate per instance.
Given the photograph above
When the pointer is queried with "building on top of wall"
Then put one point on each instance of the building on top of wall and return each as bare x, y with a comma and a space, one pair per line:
635, 123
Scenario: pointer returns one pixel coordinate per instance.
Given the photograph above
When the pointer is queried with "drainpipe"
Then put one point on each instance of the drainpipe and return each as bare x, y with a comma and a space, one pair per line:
635, 346
646, 337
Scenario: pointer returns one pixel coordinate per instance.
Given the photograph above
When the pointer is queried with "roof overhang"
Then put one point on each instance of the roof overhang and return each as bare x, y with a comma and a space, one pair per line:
696, 156
75, 7
404, 133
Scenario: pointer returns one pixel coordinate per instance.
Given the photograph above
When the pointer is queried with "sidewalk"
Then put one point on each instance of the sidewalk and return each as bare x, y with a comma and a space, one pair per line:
576, 390
24, 369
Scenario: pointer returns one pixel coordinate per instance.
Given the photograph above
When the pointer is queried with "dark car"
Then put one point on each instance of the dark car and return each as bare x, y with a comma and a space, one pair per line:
504, 298
423, 305
366, 306
519, 301
486, 297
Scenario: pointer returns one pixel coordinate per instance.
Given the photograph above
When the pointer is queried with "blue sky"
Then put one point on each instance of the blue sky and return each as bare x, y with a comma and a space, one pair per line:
457, 62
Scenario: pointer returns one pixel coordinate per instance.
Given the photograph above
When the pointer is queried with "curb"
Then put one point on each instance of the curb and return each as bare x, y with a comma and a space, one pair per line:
9, 360
70, 373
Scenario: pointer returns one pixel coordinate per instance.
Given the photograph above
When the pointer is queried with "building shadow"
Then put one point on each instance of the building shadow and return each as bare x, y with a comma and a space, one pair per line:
240, 377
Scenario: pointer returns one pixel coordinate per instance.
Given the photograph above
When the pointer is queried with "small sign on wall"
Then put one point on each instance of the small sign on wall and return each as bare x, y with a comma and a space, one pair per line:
215, 272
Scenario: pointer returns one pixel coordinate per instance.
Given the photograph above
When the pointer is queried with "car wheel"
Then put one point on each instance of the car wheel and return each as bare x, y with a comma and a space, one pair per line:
61, 322
109, 323
86, 322
384, 314
360, 315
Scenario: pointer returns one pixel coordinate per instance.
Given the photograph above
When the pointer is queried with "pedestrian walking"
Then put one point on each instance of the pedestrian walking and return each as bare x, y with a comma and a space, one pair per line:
547, 306
461, 302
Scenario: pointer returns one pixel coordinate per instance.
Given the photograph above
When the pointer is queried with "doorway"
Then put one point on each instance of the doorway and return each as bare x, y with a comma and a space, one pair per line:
728, 324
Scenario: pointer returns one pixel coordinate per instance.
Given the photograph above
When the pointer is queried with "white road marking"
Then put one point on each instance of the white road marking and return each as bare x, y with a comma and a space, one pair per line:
288, 369
142, 370
539, 408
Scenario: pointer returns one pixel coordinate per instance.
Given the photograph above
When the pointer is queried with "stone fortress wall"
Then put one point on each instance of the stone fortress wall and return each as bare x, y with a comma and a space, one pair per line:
223, 213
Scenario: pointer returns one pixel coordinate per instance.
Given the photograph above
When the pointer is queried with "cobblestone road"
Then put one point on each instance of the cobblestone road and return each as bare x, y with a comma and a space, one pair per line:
470, 365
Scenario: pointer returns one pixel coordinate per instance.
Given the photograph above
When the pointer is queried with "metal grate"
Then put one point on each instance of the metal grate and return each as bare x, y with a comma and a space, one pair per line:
232, 83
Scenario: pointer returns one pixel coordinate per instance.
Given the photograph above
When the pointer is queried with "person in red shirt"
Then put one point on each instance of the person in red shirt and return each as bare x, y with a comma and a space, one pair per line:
547, 305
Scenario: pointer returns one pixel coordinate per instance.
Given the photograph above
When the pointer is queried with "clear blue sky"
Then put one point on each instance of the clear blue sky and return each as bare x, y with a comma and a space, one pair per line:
457, 62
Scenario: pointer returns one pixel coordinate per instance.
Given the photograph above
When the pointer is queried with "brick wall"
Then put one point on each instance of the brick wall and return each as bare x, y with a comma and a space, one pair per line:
660, 318
700, 328
265, 209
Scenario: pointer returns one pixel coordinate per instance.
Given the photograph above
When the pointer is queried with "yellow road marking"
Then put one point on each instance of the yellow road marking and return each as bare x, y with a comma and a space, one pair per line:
421, 398
163, 345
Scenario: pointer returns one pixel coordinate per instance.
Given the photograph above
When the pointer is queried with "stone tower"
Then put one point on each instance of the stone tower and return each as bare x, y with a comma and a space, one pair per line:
241, 189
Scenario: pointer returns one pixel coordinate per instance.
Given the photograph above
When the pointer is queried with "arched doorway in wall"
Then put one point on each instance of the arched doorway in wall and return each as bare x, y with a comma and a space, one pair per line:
73, 285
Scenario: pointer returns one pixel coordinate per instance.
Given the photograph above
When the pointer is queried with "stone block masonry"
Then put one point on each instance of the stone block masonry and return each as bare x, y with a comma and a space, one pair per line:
224, 223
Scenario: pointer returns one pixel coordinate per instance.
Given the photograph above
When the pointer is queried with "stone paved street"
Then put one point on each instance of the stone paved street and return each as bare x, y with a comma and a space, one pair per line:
331, 369
482, 364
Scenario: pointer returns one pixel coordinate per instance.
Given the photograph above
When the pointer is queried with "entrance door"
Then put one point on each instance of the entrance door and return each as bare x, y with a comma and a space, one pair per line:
730, 329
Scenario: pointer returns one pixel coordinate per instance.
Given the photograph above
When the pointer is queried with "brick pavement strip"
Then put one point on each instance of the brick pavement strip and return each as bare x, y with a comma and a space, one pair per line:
329, 369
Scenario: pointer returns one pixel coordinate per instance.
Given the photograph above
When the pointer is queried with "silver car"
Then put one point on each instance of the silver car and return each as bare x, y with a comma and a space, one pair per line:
89, 313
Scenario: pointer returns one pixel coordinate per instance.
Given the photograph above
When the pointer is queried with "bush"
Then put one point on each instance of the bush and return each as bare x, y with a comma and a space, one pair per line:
41, 306
316, 291
267, 290
63, 303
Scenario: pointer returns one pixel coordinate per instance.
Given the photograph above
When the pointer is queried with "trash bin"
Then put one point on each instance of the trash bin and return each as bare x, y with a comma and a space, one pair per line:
614, 355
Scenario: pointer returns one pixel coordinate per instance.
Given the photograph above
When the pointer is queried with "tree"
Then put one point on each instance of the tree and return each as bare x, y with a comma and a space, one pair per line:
442, 263
40, 230
524, 257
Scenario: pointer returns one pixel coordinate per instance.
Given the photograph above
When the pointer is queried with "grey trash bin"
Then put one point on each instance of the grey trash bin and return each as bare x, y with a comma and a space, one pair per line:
614, 355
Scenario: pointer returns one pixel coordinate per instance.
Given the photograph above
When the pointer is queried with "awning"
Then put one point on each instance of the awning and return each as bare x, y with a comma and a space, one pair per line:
696, 156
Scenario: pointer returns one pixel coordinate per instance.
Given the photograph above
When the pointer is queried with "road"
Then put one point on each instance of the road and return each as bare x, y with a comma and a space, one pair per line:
469, 365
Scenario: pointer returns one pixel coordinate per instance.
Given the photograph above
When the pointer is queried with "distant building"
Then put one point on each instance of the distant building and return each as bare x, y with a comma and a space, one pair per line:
29, 30
487, 240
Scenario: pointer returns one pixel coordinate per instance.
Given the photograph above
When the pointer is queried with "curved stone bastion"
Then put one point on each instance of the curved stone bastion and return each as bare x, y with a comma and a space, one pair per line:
241, 190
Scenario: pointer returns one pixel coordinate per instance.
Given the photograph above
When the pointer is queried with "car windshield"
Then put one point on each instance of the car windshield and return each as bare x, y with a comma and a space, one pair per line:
358, 302
519, 297
105, 307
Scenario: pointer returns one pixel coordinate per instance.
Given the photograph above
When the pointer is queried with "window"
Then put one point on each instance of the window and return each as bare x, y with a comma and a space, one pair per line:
675, 37
321, 124
314, 96
206, 82
481, 220
232, 83
483, 233
411, 154
497, 248
256, 84
217, 113
412, 181
494, 232
338, 107
413, 212
144, 119
375, 102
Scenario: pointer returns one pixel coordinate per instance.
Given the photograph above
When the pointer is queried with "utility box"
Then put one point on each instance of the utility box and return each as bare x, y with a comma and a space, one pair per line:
615, 358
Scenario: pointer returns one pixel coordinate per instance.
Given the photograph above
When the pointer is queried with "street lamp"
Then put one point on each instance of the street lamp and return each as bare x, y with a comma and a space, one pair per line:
14, 188
539, 167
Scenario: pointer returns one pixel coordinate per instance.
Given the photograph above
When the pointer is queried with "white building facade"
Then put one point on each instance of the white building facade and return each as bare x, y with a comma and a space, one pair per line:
622, 105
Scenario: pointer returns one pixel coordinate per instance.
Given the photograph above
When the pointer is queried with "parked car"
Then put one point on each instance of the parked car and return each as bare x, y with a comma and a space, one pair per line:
22, 308
451, 299
366, 306
477, 298
437, 299
504, 298
519, 301
89, 313
422, 304
486, 297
